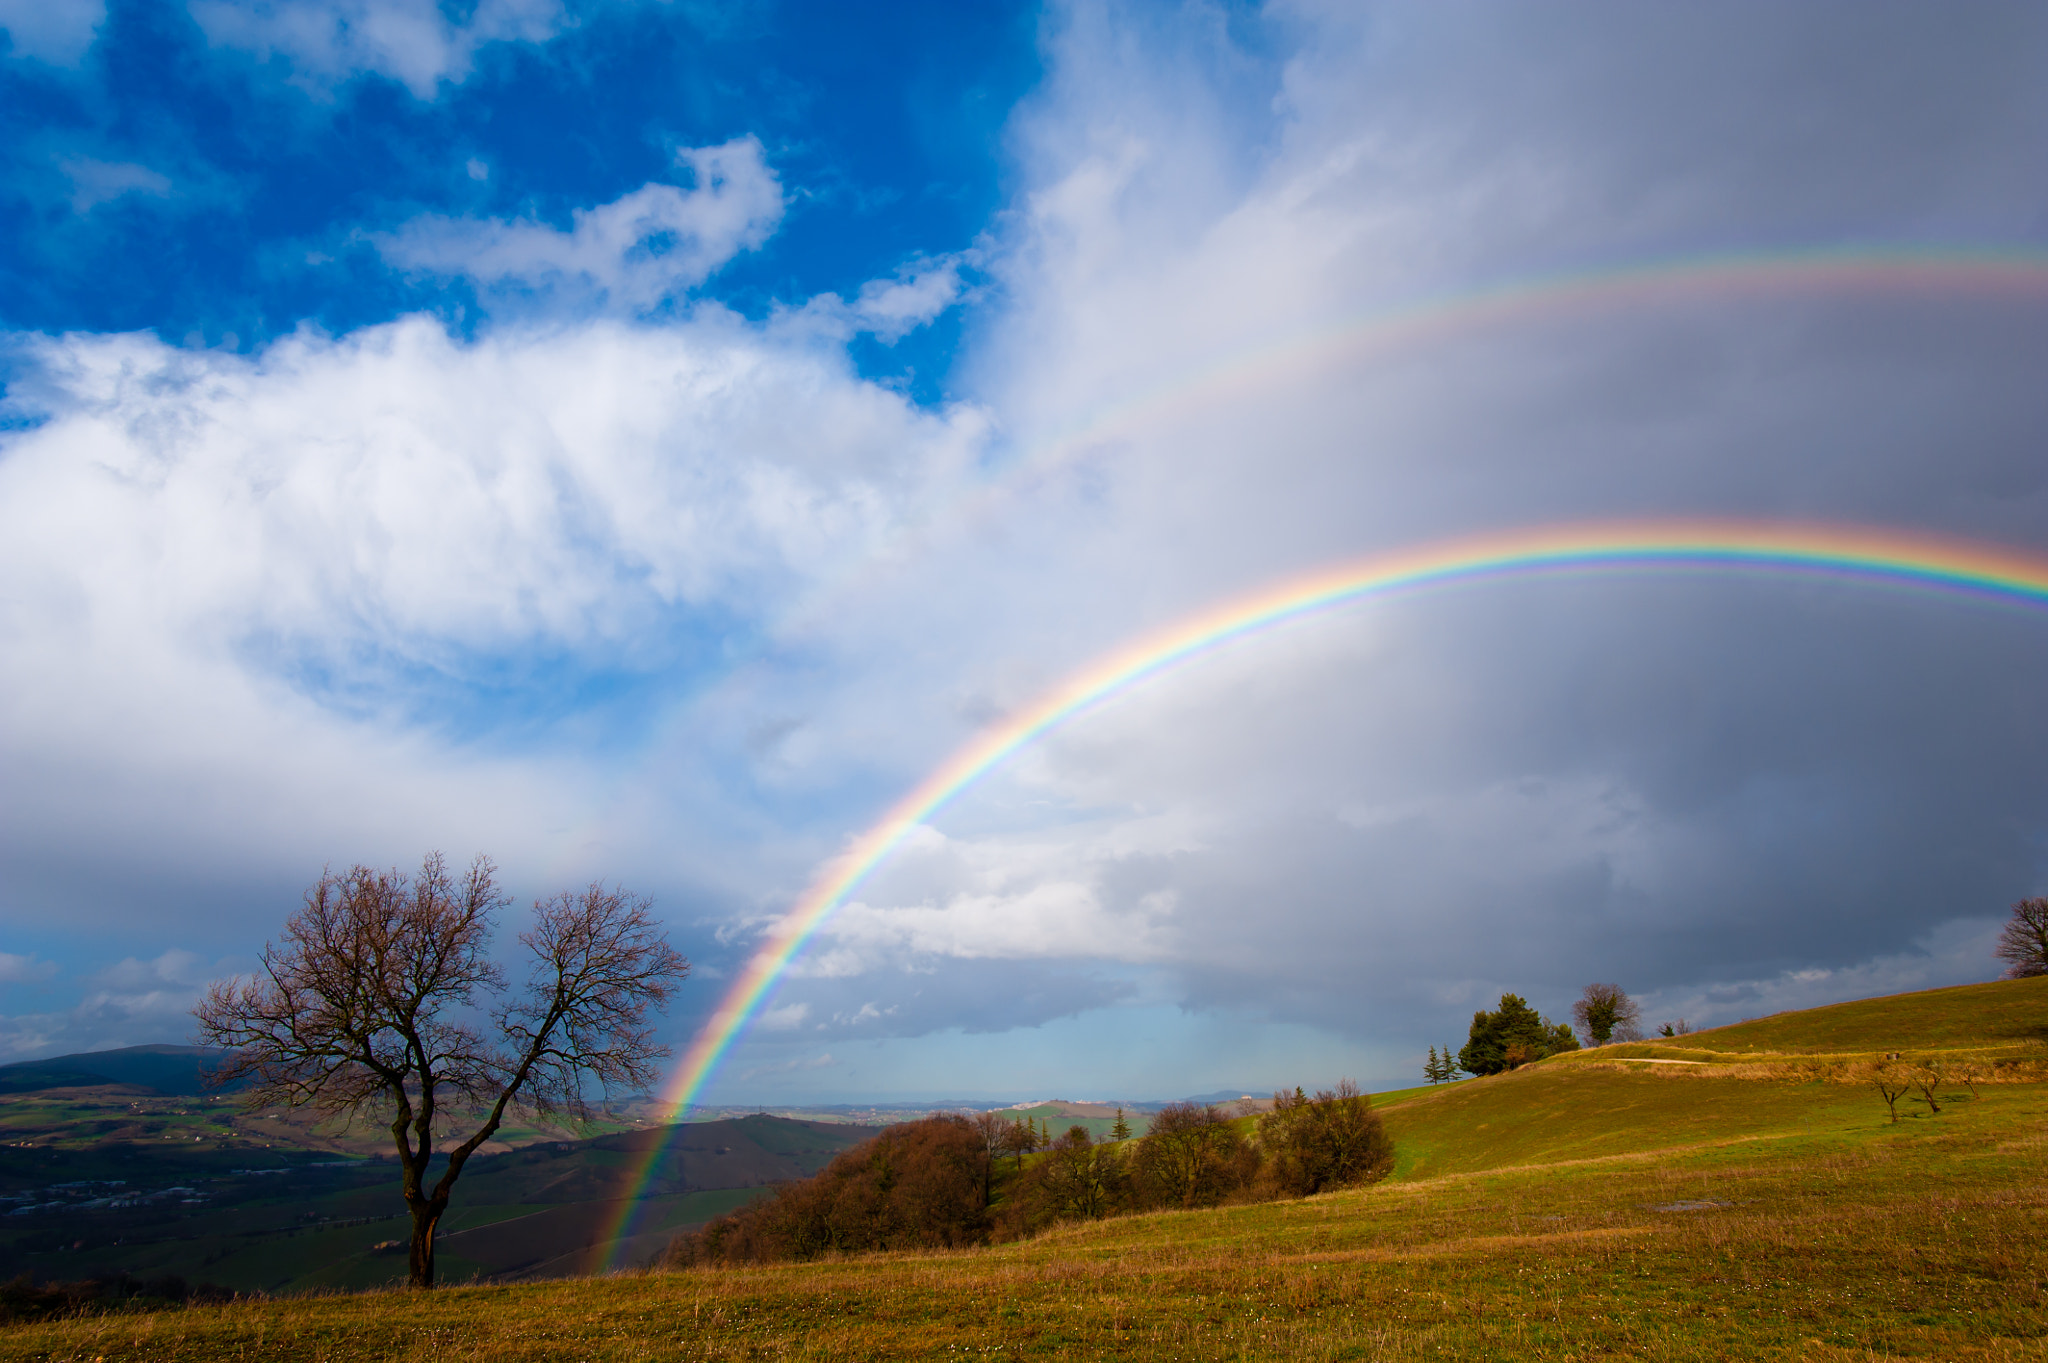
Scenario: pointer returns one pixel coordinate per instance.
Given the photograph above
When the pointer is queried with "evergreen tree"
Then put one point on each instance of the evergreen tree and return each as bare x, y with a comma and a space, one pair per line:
1122, 1130
1513, 1036
1432, 1068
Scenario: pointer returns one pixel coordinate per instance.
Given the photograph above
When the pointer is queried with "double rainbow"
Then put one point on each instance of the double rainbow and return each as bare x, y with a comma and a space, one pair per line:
1873, 557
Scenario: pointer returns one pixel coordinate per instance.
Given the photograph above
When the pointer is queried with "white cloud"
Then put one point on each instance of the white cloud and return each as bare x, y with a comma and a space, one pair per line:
97, 182
22, 969
59, 34
647, 246
307, 604
415, 42
1012, 899
783, 1019
888, 309
131, 1002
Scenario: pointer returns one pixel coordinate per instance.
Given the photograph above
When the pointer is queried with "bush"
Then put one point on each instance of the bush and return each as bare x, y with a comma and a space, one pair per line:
921, 1185
1333, 1140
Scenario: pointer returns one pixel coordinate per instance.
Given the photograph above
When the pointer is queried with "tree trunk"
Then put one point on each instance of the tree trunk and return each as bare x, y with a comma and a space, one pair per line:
426, 1219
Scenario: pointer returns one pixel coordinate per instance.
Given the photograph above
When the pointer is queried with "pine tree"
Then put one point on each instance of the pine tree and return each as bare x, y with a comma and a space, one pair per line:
1122, 1130
1432, 1068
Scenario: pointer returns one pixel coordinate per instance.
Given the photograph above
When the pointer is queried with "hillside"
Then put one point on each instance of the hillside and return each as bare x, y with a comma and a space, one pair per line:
1998, 1015
288, 1220
1587, 1206
164, 1070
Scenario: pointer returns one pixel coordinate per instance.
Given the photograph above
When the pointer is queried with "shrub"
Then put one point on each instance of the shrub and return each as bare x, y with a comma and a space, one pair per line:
1333, 1140
921, 1185
1192, 1157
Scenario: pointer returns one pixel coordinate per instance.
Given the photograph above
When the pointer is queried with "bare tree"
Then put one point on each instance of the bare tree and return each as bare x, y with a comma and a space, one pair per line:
1929, 1079
1606, 1013
1893, 1087
369, 1005
2023, 946
994, 1130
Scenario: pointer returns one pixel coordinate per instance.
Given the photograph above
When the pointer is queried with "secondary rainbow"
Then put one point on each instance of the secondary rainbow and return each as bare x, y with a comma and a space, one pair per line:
1265, 363
1870, 556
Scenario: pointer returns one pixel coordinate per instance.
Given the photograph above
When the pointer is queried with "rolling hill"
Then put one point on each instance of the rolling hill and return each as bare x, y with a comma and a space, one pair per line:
1755, 1200
172, 1071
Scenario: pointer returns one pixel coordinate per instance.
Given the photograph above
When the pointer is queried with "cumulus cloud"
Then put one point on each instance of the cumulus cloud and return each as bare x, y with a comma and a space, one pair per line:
418, 43
313, 603
635, 252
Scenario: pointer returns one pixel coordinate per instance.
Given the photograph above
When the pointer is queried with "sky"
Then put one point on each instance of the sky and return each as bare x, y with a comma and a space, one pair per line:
641, 440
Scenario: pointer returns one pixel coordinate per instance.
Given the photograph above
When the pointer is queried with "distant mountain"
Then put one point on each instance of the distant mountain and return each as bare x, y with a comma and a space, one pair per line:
169, 1070
1229, 1095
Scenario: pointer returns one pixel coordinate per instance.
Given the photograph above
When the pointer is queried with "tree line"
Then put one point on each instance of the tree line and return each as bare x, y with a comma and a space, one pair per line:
939, 1182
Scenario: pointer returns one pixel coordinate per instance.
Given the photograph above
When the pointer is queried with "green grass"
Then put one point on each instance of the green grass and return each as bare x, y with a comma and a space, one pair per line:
1567, 1211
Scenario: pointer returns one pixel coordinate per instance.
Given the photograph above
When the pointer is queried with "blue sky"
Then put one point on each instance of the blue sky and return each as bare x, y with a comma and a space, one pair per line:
638, 440
171, 179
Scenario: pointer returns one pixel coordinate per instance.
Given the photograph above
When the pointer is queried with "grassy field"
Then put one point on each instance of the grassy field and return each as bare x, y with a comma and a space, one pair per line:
1565, 1211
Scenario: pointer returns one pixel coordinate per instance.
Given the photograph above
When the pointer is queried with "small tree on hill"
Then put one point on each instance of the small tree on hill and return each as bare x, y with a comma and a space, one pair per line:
363, 1008
1606, 1013
2023, 945
1122, 1130
1892, 1087
1929, 1078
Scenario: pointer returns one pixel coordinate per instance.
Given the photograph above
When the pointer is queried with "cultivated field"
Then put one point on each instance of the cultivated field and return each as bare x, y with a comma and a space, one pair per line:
1570, 1210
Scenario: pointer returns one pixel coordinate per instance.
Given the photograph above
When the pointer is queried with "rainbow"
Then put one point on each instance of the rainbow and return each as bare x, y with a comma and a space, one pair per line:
1264, 362
1848, 554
